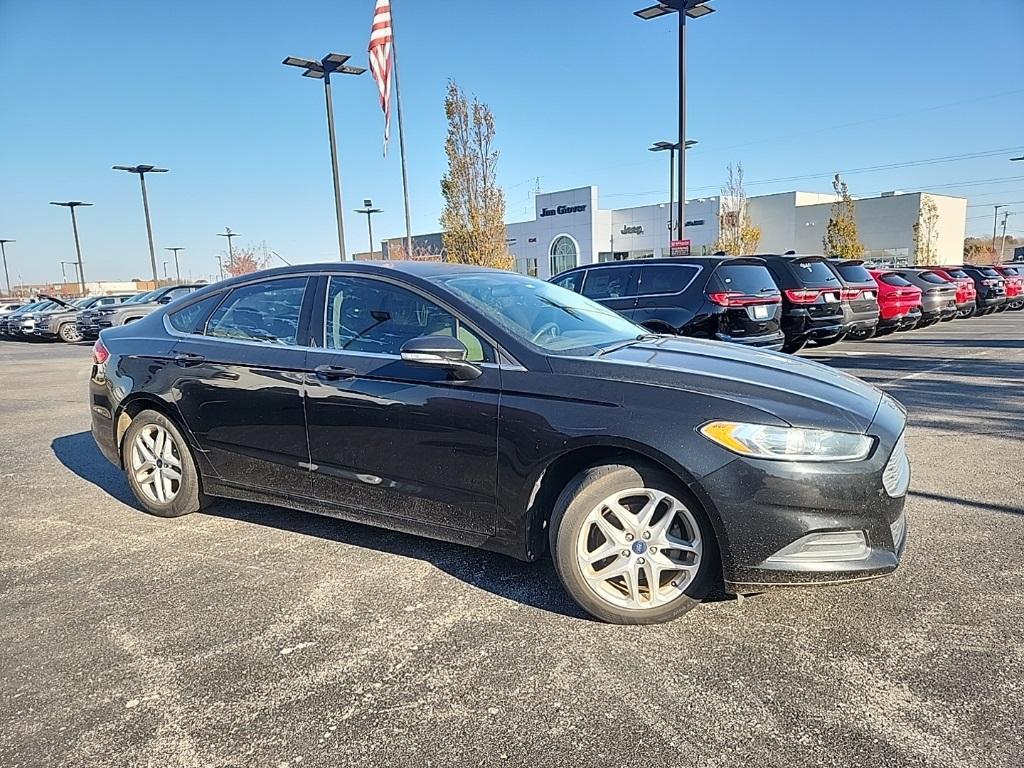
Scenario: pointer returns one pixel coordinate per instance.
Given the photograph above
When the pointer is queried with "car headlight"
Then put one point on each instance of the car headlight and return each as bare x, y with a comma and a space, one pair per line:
760, 441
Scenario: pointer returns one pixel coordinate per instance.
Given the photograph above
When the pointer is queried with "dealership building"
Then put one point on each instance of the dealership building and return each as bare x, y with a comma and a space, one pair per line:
571, 229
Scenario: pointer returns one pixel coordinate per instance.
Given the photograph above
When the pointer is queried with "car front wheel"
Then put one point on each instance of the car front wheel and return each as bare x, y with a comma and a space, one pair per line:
159, 466
629, 546
69, 333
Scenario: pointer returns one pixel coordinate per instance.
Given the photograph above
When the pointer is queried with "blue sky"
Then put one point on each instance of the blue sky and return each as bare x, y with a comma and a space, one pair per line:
578, 89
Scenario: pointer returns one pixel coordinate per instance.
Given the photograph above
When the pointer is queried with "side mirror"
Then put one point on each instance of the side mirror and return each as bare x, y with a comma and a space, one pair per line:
440, 352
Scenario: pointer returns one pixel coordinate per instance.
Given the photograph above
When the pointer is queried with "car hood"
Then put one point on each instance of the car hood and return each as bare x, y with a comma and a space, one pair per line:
800, 392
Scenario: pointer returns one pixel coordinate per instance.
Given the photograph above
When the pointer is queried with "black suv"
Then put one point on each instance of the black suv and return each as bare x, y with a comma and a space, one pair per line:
859, 299
991, 287
812, 299
718, 297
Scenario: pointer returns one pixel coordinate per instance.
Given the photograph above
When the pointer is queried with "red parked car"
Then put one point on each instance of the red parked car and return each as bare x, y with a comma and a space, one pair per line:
966, 293
1014, 285
899, 302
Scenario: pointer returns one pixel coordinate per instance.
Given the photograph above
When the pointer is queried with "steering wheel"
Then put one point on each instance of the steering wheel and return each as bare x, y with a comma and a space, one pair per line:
550, 329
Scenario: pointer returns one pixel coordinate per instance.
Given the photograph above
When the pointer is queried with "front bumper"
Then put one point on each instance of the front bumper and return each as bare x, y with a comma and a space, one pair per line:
787, 523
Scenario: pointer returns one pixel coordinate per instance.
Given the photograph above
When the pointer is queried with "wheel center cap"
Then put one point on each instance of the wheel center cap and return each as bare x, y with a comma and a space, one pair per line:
639, 547
159, 464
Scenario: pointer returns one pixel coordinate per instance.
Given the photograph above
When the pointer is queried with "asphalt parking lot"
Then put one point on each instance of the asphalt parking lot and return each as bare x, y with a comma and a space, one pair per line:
254, 635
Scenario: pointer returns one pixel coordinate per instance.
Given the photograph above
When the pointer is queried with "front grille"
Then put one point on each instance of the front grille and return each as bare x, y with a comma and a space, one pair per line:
896, 476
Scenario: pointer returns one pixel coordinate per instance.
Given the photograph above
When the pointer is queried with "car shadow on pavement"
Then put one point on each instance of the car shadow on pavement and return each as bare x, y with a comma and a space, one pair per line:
533, 584
969, 502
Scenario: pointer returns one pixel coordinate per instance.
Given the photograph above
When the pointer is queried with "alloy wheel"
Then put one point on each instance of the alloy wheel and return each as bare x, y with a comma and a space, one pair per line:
639, 548
156, 464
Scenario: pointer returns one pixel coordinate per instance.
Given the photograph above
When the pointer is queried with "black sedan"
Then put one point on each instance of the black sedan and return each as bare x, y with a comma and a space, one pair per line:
503, 412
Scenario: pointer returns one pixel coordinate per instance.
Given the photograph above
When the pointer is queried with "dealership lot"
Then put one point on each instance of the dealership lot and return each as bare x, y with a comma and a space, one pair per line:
259, 636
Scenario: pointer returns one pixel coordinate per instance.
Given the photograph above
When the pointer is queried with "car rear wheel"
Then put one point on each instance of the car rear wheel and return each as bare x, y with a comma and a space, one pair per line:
159, 466
629, 546
69, 333
828, 342
792, 346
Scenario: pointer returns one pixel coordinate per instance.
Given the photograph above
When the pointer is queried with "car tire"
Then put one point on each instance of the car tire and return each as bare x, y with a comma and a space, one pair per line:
626, 597
862, 335
154, 447
828, 342
68, 333
792, 346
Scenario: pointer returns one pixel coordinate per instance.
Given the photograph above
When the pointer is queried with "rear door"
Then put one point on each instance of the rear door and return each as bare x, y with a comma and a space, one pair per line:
614, 286
240, 381
662, 295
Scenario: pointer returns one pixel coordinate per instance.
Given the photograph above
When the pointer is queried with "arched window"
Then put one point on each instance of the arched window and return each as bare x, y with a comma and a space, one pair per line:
564, 254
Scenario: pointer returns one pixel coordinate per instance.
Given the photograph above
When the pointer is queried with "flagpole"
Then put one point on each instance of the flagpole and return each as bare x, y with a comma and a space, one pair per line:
401, 136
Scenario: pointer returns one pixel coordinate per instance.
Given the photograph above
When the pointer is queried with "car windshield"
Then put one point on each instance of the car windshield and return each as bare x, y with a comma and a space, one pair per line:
139, 298
749, 279
814, 272
853, 273
893, 279
557, 320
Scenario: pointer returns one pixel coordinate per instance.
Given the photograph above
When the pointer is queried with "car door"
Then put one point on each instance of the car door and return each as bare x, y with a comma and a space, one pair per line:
389, 437
613, 286
240, 381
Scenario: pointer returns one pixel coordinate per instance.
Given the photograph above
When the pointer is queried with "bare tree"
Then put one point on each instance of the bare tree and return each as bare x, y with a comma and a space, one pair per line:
473, 219
737, 236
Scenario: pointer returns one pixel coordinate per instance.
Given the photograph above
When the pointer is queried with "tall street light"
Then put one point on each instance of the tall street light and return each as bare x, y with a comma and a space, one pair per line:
72, 204
63, 272
7, 277
177, 267
369, 210
323, 69
693, 9
231, 254
1002, 240
995, 222
661, 146
142, 170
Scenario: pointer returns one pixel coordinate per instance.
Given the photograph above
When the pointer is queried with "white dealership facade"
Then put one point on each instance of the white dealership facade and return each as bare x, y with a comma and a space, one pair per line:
570, 229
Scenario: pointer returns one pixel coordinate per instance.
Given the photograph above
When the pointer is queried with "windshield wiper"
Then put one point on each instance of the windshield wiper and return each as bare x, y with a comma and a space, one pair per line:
624, 344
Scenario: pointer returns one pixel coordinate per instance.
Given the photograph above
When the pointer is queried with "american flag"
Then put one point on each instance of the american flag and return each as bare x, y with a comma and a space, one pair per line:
380, 60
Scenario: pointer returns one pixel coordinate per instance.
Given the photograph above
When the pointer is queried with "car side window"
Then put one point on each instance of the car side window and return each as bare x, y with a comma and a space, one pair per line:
571, 281
266, 312
367, 315
664, 278
191, 319
608, 283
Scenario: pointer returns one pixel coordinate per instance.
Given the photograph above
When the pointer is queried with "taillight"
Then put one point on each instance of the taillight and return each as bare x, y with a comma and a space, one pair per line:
100, 354
802, 295
850, 294
737, 299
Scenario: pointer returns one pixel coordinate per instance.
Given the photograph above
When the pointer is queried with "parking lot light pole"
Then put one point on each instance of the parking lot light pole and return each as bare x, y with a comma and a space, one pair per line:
661, 146
322, 70
369, 210
231, 253
63, 272
684, 9
142, 170
995, 223
72, 204
177, 267
7, 276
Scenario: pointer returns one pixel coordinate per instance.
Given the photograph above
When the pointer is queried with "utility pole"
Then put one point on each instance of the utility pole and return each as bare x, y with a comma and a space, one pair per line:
7, 277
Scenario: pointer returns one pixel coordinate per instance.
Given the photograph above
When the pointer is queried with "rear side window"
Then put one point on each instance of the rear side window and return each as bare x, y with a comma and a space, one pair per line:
853, 273
570, 282
931, 277
192, 318
748, 279
664, 278
896, 280
609, 283
267, 312
814, 273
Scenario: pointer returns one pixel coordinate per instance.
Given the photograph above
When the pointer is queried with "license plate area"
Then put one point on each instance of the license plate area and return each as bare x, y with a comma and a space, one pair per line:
760, 311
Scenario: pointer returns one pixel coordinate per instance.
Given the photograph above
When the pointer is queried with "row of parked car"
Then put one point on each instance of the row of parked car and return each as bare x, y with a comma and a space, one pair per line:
783, 302
52, 318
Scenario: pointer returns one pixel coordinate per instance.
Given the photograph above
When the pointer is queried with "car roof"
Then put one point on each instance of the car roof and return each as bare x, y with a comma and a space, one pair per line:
673, 260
